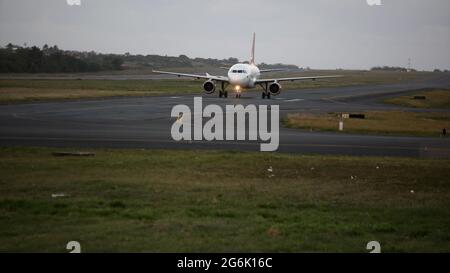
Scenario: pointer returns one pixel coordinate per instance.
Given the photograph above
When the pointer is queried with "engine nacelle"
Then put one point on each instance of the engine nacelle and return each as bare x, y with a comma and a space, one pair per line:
274, 88
209, 87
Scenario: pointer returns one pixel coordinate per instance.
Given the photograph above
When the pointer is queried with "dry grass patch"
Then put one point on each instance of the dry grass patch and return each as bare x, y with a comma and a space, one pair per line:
388, 122
439, 98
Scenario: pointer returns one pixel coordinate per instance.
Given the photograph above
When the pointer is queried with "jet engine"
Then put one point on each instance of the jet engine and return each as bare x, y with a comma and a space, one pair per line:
209, 87
274, 88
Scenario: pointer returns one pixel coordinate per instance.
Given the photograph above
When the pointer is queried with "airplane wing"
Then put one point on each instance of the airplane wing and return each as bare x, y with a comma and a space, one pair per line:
272, 70
206, 76
296, 79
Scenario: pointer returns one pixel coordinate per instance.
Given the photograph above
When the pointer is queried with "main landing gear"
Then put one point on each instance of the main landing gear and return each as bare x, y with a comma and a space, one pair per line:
265, 93
223, 92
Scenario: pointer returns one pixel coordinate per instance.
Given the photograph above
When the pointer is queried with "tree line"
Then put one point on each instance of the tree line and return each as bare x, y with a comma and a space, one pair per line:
391, 69
51, 59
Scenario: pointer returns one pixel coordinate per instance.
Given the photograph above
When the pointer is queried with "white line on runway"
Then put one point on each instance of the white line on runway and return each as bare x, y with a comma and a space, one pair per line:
293, 100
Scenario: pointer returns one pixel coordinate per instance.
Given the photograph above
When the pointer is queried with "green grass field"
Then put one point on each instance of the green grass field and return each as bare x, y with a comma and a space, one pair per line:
208, 201
27, 90
436, 98
386, 122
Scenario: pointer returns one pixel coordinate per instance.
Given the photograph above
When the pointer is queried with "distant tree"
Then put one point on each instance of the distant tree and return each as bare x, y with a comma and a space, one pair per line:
34, 60
117, 63
45, 50
233, 60
10, 47
389, 68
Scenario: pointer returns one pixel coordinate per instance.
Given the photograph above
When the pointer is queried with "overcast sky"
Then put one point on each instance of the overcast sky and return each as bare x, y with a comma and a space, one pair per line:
315, 33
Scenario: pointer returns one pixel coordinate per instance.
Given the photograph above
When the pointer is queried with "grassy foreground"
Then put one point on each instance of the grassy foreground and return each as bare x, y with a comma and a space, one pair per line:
165, 201
386, 122
439, 98
27, 90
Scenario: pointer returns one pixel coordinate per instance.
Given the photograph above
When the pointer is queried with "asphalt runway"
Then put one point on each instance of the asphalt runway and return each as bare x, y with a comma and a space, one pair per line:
145, 122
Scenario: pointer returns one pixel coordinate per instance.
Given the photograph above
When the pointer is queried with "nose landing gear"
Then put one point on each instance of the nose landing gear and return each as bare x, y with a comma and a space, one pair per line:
237, 90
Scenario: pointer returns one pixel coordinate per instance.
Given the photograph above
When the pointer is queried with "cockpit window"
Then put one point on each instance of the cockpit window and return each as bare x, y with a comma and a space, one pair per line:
239, 71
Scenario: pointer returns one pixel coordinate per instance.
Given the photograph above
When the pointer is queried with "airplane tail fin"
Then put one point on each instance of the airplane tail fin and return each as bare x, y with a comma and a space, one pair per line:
252, 58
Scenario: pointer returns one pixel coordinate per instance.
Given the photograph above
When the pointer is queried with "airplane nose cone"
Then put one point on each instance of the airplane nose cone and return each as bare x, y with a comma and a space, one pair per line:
238, 80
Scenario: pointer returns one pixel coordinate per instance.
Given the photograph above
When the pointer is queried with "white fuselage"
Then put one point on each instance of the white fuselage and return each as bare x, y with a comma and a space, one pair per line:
243, 76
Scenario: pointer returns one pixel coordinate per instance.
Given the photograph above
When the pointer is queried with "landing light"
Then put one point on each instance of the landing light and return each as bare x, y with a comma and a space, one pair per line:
238, 88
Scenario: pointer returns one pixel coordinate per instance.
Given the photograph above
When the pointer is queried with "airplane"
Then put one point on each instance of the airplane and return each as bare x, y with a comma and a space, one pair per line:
244, 76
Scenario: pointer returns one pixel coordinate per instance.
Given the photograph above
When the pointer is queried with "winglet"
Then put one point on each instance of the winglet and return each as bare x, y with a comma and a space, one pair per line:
252, 58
